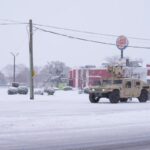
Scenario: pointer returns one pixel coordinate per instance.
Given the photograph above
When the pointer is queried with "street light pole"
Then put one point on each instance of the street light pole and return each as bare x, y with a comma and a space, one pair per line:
14, 65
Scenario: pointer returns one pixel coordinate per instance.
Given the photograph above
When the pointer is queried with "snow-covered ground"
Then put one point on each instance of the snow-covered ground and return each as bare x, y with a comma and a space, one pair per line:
67, 120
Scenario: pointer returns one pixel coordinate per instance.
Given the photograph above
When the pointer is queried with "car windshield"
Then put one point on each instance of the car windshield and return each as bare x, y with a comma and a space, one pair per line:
117, 81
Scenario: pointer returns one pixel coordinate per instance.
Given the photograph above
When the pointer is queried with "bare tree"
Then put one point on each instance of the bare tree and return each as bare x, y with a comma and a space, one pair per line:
23, 76
2, 79
52, 74
112, 60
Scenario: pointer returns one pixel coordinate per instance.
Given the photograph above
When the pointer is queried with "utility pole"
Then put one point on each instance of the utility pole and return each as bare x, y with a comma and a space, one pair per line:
122, 54
14, 65
31, 60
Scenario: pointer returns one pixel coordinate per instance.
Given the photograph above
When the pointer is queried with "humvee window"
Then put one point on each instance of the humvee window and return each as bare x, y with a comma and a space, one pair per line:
97, 83
128, 84
107, 81
117, 82
137, 84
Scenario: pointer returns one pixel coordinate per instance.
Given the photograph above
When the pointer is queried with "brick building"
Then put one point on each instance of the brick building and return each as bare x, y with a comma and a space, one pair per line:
87, 76
91, 75
148, 73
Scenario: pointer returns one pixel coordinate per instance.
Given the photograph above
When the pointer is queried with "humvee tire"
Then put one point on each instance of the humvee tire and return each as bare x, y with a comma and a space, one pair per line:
143, 96
114, 96
123, 100
93, 98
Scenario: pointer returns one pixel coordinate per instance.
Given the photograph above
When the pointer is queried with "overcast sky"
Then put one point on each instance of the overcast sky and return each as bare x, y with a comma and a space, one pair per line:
119, 17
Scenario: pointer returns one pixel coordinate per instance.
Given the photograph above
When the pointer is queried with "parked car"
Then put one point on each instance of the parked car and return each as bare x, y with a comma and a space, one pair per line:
49, 90
56, 88
80, 91
38, 92
12, 90
15, 84
22, 90
86, 90
67, 88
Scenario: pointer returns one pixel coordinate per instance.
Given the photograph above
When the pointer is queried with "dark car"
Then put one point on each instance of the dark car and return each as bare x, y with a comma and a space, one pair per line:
49, 91
12, 91
22, 90
67, 88
86, 90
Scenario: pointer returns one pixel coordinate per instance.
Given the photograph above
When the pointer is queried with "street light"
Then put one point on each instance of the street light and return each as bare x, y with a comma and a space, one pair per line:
14, 67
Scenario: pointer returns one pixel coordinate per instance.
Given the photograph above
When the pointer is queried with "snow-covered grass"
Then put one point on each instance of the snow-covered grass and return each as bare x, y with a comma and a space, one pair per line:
62, 113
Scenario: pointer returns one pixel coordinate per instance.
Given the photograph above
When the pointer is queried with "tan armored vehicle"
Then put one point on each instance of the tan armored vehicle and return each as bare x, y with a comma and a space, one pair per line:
118, 88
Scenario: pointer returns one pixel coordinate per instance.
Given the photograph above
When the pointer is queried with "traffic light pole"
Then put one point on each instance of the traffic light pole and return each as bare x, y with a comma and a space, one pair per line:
31, 60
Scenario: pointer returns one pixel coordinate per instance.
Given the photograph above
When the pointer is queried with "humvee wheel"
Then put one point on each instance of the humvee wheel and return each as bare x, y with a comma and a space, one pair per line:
114, 96
144, 96
93, 98
123, 100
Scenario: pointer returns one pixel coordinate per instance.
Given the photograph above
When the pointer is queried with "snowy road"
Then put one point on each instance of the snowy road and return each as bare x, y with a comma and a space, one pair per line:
67, 121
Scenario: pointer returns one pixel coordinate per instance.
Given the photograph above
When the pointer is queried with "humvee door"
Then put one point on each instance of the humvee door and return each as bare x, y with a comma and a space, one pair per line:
127, 88
136, 88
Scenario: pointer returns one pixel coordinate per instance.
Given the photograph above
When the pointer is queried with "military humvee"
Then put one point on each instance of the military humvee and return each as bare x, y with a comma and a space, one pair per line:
118, 88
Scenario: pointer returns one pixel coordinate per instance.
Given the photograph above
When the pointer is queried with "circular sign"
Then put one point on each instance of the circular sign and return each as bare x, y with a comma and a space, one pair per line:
122, 42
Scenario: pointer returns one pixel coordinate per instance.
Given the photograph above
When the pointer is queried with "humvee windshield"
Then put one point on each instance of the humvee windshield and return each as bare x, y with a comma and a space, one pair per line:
105, 82
95, 83
117, 82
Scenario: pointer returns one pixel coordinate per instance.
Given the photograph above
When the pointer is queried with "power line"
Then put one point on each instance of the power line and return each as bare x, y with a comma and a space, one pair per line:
13, 23
88, 32
73, 30
142, 47
73, 37
84, 39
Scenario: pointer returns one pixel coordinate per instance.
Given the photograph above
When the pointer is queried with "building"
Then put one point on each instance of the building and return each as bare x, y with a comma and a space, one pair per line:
148, 73
91, 75
87, 76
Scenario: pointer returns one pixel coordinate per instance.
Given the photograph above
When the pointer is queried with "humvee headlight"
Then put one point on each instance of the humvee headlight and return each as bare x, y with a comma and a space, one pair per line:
93, 90
103, 90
